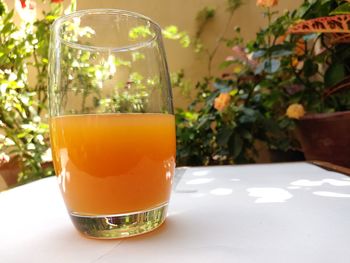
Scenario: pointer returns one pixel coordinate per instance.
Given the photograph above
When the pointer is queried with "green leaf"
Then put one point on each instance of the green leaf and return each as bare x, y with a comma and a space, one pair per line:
233, 5
50, 18
311, 36
258, 54
248, 116
223, 88
281, 53
334, 74
205, 14
172, 32
226, 64
342, 9
7, 27
237, 145
137, 56
224, 135
310, 68
139, 32
8, 17
247, 135
2, 8
120, 62
202, 121
248, 111
185, 40
272, 65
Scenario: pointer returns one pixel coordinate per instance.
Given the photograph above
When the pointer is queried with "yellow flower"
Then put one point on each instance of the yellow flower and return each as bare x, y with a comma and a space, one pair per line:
266, 3
295, 62
222, 101
295, 111
300, 48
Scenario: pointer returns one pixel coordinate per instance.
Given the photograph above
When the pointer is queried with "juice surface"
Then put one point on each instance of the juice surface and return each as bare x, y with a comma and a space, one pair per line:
114, 163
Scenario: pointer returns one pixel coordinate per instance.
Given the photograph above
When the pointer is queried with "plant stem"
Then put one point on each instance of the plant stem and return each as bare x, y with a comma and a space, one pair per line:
269, 40
269, 20
218, 42
39, 73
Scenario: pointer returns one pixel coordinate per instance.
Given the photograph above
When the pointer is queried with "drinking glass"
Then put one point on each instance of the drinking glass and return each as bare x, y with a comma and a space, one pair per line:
112, 126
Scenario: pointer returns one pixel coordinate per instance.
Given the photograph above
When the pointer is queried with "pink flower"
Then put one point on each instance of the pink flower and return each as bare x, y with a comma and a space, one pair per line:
4, 158
240, 55
57, 1
266, 3
294, 88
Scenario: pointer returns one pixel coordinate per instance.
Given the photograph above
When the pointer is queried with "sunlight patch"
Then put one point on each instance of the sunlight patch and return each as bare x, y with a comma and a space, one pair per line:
200, 173
331, 194
221, 191
333, 182
269, 195
200, 181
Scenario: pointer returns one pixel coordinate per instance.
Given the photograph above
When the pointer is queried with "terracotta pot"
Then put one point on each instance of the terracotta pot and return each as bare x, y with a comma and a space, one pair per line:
9, 171
326, 137
278, 156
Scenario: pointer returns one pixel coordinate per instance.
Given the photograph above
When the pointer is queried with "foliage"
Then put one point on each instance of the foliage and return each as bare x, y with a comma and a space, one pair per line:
215, 130
263, 78
317, 64
22, 104
303, 69
208, 136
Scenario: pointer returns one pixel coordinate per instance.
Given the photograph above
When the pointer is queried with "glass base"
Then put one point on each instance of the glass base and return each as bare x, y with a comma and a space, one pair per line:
120, 226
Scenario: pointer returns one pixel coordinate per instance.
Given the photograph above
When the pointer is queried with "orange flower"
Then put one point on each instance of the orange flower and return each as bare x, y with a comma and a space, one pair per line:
295, 62
266, 3
300, 47
281, 39
222, 101
295, 111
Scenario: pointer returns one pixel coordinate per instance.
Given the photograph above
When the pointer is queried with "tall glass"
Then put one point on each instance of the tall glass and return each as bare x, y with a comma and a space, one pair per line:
112, 124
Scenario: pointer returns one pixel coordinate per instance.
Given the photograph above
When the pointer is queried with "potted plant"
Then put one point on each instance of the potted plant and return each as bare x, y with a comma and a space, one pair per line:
324, 81
244, 107
304, 62
298, 65
225, 119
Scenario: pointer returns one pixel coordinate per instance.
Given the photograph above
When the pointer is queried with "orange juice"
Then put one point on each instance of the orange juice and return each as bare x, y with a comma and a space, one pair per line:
114, 163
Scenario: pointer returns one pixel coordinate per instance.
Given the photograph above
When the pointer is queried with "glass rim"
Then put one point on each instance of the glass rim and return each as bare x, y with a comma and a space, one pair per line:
99, 11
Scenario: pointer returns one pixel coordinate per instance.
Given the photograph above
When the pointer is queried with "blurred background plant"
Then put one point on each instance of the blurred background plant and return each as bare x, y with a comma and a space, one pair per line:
303, 62
298, 63
24, 139
225, 120
321, 56
292, 66
23, 116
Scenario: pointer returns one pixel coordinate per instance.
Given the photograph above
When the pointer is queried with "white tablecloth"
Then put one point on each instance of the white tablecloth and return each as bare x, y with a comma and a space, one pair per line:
253, 213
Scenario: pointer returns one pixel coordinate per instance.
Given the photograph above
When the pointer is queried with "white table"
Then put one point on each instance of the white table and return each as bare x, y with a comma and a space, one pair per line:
254, 213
